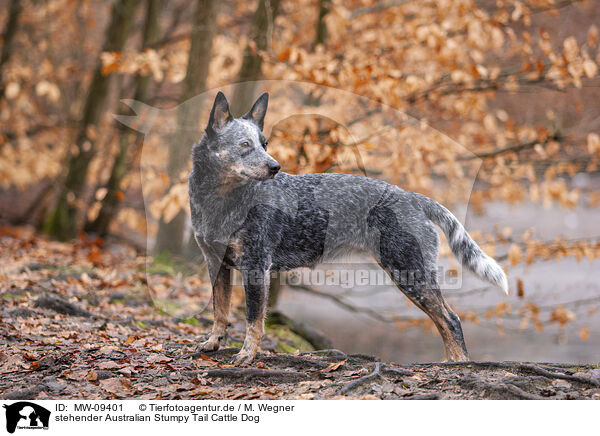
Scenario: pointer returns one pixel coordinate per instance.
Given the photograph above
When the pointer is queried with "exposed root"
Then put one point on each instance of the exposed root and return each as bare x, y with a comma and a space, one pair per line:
356, 383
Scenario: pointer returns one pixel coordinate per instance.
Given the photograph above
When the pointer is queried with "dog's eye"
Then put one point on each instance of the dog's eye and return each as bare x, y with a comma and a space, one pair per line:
265, 144
245, 144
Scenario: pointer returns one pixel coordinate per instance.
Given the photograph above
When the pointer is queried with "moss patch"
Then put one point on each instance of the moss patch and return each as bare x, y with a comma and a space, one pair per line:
190, 321
168, 265
288, 341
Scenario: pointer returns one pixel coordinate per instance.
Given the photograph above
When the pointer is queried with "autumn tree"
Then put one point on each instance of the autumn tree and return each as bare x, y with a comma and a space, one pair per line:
123, 160
8, 35
170, 234
260, 34
324, 6
63, 219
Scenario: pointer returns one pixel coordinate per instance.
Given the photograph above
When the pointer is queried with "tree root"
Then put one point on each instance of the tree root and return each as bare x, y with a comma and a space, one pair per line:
523, 367
429, 396
250, 374
356, 383
549, 374
329, 353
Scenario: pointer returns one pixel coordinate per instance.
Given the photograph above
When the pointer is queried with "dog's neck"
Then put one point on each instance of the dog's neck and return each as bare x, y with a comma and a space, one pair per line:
221, 207
211, 185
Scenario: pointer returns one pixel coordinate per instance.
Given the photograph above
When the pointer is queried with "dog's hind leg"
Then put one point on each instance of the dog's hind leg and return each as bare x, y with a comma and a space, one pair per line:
427, 296
221, 304
431, 301
424, 291
256, 284
410, 261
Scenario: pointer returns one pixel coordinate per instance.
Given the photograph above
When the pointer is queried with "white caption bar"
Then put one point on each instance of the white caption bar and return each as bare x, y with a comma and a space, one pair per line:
90, 418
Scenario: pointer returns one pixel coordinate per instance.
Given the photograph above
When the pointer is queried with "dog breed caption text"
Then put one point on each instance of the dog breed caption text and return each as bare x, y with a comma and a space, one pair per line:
175, 413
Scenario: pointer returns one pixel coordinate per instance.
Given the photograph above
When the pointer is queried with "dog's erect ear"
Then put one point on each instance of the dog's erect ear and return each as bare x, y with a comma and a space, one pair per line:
259, 110
219, 115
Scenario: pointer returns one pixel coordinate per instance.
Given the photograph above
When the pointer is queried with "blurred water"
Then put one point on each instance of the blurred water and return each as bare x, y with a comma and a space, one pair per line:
545, 283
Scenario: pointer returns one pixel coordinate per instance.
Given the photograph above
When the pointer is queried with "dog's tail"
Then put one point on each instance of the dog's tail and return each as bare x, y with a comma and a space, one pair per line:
461, 244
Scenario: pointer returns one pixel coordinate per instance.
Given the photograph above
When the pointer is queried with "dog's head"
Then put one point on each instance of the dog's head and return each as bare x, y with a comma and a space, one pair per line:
237, 146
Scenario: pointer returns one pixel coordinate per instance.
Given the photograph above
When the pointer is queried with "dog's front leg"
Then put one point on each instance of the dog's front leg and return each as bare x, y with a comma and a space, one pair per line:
256, 283
221, 303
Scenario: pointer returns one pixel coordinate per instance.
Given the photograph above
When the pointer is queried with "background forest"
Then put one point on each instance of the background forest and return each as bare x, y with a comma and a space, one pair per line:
490, 107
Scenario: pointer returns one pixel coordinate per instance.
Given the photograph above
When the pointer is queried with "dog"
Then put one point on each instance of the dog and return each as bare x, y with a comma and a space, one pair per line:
250, 216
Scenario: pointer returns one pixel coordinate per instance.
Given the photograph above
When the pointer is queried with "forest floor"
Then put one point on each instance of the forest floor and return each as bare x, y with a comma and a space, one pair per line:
89, 320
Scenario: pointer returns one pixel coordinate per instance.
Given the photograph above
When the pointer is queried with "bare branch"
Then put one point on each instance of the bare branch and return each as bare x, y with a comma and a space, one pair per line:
348, 306
376, 8
511, 148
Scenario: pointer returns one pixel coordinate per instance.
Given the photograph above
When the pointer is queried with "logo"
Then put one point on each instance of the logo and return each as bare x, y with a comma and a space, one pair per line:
26, 415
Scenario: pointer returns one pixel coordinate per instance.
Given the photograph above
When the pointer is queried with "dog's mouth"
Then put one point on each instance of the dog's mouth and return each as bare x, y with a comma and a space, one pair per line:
256, 177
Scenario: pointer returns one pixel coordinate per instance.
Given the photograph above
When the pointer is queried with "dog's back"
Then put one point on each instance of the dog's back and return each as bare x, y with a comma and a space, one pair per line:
329, 215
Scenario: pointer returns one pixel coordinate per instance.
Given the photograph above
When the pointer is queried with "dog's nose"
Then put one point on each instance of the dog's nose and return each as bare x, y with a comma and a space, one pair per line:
274, 168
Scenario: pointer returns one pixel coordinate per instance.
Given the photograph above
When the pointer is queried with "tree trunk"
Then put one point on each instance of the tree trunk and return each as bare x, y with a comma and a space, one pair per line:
324, 7
7, 37
63, 220
170, 235
124, 159
261, 31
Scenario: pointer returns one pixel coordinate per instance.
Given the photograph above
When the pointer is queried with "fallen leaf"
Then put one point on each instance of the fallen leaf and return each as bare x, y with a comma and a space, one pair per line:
111, 364
335, 365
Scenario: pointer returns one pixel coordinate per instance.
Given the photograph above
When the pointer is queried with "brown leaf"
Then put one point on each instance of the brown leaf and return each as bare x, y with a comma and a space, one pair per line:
114, 385
520, 290
158, 358
95, 255
335, 365
205, 357
515, 254
111, 364
562, 316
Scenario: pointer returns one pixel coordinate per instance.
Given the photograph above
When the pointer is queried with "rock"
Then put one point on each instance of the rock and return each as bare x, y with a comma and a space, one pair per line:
387, 387
34, 266
563, 385
53, 384
59, 305
24, 394
594, 374
21, 312
547, 392
402, 392
103, 374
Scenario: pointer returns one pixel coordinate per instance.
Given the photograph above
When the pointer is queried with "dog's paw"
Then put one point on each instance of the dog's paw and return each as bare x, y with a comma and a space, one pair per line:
212, 344
243, 358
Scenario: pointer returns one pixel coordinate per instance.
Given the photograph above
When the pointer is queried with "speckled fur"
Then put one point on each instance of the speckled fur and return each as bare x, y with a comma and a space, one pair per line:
245, 218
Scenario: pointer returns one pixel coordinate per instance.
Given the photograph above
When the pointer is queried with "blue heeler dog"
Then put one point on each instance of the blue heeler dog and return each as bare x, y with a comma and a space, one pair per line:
248, 215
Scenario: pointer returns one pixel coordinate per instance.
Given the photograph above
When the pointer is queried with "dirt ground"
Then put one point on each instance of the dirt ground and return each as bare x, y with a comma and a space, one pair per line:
85, 320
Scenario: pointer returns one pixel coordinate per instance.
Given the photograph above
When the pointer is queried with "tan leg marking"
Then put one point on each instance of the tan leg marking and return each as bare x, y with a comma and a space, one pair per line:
454, 352
221, 304
254, 330
254, 333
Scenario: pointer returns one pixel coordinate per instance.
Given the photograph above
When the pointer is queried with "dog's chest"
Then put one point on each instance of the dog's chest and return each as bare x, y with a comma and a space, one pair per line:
234, 252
